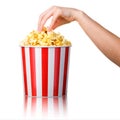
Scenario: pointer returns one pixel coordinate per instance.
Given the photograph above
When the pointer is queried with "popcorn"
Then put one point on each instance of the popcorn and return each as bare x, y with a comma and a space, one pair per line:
45, 38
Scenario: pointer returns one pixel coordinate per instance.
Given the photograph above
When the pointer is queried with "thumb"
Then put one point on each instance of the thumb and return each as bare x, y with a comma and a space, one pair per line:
53, 24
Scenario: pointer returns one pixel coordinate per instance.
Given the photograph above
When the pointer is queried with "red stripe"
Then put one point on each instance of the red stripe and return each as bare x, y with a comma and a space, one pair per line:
64, 98
56, 71
56, 104
44, 71
65, 70
44, 105
33, 71
24, 70
33, 104
25, 103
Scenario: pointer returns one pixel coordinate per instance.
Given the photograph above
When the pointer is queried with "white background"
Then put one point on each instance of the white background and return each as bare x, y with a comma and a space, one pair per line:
94, 81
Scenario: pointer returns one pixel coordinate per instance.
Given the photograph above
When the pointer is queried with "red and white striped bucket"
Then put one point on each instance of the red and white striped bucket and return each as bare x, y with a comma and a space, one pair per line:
45, 70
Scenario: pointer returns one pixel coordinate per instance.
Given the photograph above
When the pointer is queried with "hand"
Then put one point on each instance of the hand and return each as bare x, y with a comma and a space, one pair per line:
60, 16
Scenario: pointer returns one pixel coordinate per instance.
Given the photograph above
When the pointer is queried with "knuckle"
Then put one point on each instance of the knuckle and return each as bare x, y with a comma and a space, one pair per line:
54, 7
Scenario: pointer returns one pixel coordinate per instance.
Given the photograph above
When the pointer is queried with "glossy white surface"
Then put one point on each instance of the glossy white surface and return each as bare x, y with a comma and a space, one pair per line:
94, 81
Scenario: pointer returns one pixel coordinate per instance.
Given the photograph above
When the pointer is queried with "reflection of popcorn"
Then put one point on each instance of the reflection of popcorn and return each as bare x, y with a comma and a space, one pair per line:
45, 38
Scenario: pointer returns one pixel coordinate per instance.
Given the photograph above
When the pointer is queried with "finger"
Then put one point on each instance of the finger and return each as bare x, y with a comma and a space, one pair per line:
57, 24
54, 21
45, 18
42, 15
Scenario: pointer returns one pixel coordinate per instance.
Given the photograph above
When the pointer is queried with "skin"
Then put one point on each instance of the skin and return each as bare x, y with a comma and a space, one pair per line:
105, 40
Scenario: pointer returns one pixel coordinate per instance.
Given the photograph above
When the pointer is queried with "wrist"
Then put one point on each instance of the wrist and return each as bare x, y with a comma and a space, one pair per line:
77, 14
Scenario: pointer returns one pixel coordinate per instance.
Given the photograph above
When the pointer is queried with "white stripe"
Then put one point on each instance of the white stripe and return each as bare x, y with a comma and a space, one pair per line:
50, 106
62, 59
39, 105
29, 105
51, 52
60, 104
27, 55
67, 71
38, 71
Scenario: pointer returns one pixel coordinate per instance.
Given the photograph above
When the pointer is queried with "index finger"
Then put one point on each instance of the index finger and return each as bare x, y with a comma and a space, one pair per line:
44, 17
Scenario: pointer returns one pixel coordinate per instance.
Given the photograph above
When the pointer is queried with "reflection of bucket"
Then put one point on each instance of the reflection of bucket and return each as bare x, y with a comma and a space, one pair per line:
45, 106
45, 70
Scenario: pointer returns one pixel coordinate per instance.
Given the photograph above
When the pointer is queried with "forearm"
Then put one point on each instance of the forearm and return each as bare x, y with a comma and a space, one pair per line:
106, 41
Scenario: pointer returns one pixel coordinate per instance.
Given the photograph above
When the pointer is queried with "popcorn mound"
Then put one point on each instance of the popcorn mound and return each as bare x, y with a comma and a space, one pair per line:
45, 38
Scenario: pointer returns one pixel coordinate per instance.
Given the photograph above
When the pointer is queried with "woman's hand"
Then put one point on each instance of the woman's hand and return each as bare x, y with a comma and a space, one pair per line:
106, 41
60, 16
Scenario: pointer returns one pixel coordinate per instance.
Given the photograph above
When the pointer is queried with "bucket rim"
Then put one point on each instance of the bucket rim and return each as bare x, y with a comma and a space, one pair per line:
44, 46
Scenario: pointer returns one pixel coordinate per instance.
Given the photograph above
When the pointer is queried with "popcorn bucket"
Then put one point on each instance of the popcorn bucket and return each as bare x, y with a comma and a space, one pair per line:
45, 70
